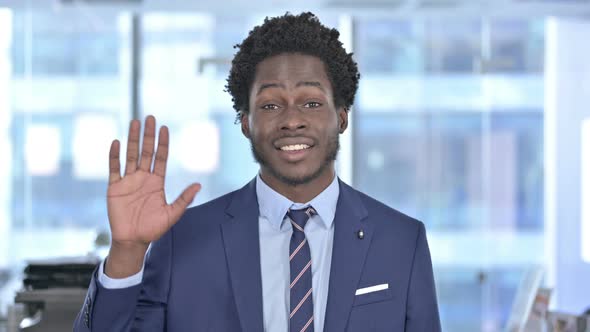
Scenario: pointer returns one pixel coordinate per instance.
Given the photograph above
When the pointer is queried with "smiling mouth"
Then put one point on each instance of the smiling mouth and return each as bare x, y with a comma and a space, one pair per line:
295, 147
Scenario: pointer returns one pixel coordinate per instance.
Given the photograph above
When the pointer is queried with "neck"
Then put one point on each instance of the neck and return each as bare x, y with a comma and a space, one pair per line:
300, 193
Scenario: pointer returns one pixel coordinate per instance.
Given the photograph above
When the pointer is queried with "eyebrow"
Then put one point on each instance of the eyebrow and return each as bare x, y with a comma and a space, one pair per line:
282, 86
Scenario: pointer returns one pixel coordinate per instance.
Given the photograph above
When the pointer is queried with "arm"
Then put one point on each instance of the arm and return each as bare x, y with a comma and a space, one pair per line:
422, 308
112, 312
101, 280
138, 215
139, 307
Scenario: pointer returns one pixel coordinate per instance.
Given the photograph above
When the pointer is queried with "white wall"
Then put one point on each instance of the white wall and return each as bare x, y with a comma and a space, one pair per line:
567, 105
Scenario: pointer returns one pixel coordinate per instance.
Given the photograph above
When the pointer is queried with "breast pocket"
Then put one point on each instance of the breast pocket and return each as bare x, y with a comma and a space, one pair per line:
376, 311
372, 297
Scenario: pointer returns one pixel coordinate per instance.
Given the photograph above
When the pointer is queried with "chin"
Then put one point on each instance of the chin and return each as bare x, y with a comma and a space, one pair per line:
298, 178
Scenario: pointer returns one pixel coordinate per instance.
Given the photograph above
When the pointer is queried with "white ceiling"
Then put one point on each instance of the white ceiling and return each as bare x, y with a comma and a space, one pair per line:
357, 7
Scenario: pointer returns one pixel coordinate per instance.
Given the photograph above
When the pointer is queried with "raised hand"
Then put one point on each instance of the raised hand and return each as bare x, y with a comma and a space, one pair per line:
136, 203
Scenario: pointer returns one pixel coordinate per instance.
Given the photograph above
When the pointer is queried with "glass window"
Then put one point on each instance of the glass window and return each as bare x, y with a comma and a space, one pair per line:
458, 143
452, 46
516, 46
69, 97
66, 43
398, 52
186, 59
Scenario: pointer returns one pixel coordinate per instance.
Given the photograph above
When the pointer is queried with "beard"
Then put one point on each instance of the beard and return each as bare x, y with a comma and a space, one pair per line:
333, 146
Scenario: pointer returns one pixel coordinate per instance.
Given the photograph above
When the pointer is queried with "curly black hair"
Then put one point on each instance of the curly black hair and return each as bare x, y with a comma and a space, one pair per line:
289, 33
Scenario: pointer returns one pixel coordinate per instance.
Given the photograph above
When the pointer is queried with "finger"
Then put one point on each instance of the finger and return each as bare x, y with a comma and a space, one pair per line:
132, 147
114, 164
183, 201
147, 150
162, 152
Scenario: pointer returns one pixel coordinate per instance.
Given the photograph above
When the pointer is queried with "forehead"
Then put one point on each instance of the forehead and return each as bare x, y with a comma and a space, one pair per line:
291, 67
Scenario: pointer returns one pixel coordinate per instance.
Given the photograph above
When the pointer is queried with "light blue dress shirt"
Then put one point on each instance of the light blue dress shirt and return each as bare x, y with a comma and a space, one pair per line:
275, 235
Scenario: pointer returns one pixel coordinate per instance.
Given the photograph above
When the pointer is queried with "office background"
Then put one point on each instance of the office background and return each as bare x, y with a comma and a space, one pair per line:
470, 116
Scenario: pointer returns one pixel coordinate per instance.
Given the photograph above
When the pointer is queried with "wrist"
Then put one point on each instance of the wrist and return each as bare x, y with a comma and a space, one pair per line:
124, 259
128, 247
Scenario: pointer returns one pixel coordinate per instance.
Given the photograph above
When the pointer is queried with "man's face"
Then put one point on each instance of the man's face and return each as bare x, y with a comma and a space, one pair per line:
292, 123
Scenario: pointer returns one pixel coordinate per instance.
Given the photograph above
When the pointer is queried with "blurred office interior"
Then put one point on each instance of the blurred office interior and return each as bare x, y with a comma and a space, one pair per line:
472, 116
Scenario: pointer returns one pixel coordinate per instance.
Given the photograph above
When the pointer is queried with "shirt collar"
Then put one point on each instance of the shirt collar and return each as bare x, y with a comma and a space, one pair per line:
274, 206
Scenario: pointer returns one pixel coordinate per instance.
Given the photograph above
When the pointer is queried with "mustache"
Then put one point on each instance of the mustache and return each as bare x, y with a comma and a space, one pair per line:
289, 139
292, 136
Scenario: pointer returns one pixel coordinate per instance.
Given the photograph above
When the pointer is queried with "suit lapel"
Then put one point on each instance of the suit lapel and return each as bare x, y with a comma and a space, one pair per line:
242, 250
348, 257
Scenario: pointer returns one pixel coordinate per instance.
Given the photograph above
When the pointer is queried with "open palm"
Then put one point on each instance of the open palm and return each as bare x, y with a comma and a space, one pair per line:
136, 203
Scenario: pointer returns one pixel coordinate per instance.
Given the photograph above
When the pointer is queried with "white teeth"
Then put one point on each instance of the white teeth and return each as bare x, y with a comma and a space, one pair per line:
295, 147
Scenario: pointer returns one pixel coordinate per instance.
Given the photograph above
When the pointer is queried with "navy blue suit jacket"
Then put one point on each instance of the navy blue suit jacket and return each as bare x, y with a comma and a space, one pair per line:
204, 274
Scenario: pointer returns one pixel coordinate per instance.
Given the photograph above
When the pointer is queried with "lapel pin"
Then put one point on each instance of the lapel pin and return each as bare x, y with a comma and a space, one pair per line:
360, 234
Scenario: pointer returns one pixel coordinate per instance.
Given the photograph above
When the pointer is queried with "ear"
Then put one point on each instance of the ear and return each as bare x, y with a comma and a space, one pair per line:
342, 119
245, 124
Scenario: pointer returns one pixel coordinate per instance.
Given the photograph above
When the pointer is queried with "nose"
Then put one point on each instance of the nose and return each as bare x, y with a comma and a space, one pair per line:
293, 119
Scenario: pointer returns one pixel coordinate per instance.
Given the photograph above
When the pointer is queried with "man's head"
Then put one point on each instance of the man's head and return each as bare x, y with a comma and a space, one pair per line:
292, 84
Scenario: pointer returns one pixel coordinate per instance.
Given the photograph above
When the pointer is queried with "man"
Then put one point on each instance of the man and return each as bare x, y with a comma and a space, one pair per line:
293, 250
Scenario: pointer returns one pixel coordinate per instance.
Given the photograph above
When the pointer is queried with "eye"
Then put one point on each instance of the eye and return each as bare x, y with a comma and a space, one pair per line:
312, 104
270, 107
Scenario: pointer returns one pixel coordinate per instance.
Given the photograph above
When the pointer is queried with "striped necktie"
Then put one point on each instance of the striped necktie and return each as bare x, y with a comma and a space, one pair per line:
301, 299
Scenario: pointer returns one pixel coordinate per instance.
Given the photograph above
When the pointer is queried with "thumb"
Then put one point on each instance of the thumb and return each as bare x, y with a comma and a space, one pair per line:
180, 204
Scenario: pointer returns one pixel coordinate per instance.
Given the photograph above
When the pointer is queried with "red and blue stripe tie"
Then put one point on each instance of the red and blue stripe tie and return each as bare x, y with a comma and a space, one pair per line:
301, 314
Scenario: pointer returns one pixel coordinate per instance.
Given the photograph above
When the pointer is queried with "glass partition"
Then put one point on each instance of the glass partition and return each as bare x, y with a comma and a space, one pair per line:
450, 118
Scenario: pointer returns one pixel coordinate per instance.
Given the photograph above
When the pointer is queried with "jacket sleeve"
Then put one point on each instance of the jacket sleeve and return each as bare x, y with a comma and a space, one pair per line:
422, 309
136, 308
